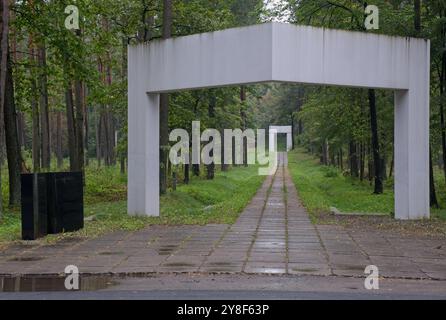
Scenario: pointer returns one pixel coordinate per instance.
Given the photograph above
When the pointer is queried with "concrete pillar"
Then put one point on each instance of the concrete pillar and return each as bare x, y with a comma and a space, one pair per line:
272, 140
143, 144
412, 138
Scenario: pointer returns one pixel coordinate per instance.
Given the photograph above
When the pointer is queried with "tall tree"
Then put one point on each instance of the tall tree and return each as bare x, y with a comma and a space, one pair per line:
164, 104
59, 146
211, 113
12, 140
44, 113
375, 143
244, 123
433, 193
9, 112
4, 30
34, 96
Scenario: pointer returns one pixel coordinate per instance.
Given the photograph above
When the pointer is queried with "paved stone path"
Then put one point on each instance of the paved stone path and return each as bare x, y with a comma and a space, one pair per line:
273, 235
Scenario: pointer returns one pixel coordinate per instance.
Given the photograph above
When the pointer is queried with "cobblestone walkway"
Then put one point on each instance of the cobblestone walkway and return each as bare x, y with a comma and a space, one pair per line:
273, 235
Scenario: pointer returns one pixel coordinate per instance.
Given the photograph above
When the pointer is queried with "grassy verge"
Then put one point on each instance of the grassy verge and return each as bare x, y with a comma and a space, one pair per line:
321, 187
201, 202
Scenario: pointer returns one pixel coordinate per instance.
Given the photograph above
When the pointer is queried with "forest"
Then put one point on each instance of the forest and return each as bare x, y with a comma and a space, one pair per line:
64, 92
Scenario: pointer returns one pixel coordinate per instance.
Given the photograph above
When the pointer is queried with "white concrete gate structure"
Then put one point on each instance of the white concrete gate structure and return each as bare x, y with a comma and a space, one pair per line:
276, 52
274, 131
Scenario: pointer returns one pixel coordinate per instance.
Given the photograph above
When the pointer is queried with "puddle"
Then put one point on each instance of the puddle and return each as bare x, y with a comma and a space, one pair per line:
221, 264
179, 264
353, 268
26, 259
224, 270
167, 250
52, 283
304, 270
111, 253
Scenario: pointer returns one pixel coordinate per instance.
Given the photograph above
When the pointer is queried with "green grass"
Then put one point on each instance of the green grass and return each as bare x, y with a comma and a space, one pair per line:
321, 187
201, 202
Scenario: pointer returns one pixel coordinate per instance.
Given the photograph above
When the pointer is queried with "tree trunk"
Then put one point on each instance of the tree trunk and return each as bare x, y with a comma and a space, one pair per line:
79, 124
384, 167
164, 105
112, 143
353, 159
124, 62
224, 166
174, 181
443, 135
21, 127
361, 161
417, 21
105, 139
109, 125
122, 164
244, 124
433, 193
71, 127
325, 153
35, 109
4, 30
186, 174
375, 143
369, 165
12, 139
341, 159
392, 163
59, 150
86, 131
98, 139
292, 132
44, 114
442, 116
196, 170
164, 141
211, 112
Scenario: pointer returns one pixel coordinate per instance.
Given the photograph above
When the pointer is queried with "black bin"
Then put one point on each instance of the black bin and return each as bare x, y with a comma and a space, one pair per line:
65, 202
51, 203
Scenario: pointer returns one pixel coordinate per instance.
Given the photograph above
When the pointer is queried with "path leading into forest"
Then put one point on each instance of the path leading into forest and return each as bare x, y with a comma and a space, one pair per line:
273, 235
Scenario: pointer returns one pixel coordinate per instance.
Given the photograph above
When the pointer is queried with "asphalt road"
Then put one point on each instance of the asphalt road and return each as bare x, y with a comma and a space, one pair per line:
246, 287
214, 295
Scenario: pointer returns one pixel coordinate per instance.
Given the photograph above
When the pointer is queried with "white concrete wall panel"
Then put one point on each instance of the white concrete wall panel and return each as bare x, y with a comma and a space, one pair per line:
336, 57
241, 55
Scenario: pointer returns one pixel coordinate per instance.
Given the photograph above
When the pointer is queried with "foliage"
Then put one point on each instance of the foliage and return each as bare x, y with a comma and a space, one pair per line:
322, 187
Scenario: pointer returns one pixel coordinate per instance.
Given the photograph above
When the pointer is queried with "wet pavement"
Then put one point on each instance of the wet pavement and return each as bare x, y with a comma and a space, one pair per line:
227, 287
273, 235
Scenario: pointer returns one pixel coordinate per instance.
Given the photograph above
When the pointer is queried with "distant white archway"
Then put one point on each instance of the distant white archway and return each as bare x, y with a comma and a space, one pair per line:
276, 52
274, 131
